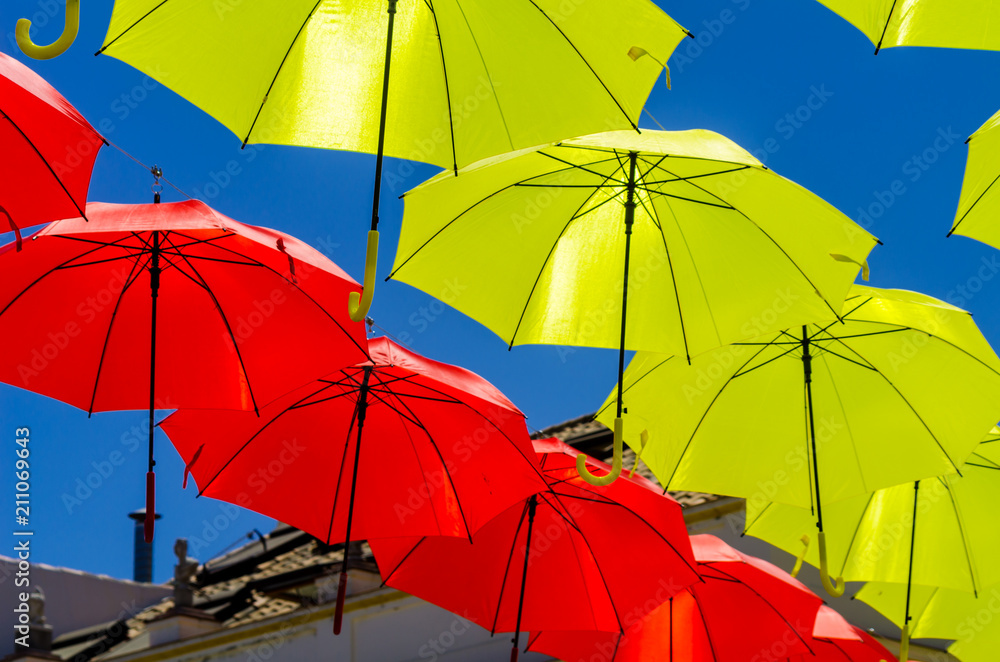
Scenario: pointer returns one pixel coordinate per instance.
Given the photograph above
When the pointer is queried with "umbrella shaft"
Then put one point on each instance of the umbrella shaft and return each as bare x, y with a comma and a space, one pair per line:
629, 220
382, 116
807, 373
154, 287
361, 414
913, 542
532, 506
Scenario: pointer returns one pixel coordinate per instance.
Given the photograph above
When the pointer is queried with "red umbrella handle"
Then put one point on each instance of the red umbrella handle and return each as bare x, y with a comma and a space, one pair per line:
513, 654
150, 506
338, 617
13, 226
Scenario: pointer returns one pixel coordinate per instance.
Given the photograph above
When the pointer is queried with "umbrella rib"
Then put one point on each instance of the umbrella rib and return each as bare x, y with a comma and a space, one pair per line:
857, 529
295, 286
749, 525
785, 353
133, 277
694, 264
399, 565
973, 573
51, 170
674, 196
911, 408
765, 601
679, 178
47, 274
704, 622
702, 420
843, 411
437, 451
591, 68
93, 263
277, 73
225, 320
670, 264
510, 558
447, 88
973, 206
637, 380
203, 490
489, 77
545, 263
827, 350
769, 237
642, 519
888, 20
585, 167
140, 20
597, 565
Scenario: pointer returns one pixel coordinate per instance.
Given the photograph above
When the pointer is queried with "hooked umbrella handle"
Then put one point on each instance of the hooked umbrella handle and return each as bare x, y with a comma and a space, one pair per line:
338, 616
60, 46
904, 644
835, 587
359, 305
802, 557
616, 464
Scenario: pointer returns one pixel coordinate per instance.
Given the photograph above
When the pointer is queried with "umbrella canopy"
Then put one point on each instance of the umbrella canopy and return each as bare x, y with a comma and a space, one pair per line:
836, 410
836, 640
49, 150
468, 80
935, 613
398, 446
472, 79
743, 609
170, 306
941, 23
554, 560
673, 242
937, 532
980, 202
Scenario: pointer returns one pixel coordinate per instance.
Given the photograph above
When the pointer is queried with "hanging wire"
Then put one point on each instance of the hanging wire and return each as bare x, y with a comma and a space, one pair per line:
645, 110
149, 169
371, 323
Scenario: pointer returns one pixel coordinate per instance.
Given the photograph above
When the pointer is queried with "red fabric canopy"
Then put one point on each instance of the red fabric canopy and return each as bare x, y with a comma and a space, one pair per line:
598, 556
245, 314
48, 148
745, 609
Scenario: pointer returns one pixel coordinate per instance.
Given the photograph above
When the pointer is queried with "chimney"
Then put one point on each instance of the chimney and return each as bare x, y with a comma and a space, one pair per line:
143, 562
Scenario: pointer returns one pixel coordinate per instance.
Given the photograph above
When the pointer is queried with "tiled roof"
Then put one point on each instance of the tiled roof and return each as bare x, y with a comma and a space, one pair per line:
250, 584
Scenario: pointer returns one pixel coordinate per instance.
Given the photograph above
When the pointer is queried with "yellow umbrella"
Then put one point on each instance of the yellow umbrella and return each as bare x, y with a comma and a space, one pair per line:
468, 80
979, 206
943, 23
672, 242
902, 389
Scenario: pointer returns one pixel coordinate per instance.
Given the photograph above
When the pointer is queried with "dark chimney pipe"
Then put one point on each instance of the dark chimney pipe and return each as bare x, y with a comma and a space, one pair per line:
143, 562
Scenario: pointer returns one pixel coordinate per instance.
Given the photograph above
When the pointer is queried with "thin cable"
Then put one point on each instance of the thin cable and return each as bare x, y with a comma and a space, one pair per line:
148, 169
389, 335
655, 121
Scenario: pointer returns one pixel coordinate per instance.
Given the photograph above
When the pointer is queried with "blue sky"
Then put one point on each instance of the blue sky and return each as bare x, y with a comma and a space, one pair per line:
879, 137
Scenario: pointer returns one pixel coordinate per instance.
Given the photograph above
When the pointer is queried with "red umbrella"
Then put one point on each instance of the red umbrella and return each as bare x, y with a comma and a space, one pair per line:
49, 150
589, 547
170, 306
836, 640
434, 438
744, 609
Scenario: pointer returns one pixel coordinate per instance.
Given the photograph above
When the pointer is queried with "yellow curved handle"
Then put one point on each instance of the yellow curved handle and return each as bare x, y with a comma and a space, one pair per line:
643, 440
904, 644
835, 587
61, 45
359, 305
616, 464
802, 557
